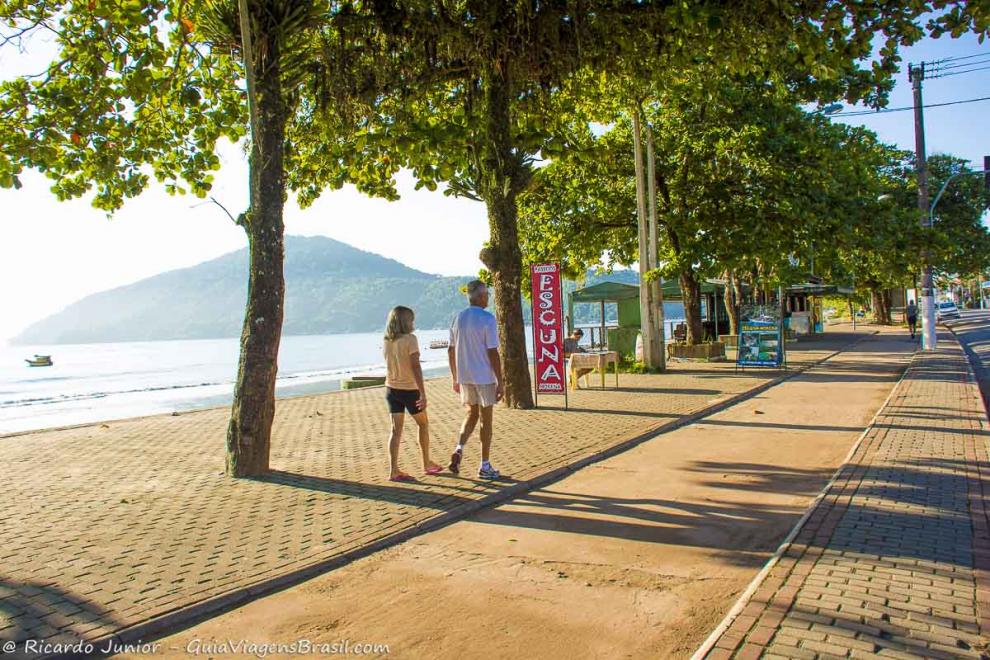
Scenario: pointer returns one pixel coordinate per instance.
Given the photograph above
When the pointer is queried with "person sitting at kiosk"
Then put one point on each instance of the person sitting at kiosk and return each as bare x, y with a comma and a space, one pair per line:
571, 347
571, 343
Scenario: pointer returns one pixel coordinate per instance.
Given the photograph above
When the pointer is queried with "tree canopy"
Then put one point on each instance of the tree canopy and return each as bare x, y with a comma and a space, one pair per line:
471, 93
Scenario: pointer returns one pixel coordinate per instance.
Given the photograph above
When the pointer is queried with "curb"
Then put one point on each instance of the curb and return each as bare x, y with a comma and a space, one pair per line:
173, 620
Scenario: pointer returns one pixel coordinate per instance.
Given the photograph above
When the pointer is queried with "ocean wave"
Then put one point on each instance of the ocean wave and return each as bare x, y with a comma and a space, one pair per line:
287, 380
49, 379
85, 396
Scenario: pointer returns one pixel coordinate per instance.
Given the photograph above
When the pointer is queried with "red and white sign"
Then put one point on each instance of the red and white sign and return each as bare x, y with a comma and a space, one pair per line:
548, 329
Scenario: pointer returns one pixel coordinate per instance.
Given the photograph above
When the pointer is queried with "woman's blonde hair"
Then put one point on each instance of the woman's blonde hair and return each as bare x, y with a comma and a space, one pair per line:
400, 322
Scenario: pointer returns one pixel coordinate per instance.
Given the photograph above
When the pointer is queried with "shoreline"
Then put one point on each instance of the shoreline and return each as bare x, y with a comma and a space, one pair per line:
320, 388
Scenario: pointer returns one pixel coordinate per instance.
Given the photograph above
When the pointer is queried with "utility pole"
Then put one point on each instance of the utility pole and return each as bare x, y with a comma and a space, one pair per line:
656, 286
648, 328
986, 192
916, 74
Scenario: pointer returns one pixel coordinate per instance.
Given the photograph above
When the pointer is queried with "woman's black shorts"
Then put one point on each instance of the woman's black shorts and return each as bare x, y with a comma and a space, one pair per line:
402, 400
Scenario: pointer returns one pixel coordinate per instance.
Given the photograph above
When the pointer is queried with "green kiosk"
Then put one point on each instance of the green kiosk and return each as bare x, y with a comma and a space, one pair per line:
626, 297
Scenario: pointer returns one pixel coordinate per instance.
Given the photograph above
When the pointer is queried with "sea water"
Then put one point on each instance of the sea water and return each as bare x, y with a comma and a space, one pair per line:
100, 382
97, 382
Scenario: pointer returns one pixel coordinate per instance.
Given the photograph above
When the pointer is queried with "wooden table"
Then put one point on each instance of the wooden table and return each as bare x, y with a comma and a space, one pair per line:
587, 362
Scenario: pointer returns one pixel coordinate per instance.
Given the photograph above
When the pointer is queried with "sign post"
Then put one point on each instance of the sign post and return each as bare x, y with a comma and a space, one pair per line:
548, 329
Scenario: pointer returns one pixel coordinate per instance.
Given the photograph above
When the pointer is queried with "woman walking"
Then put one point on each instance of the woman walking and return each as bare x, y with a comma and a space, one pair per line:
404, 390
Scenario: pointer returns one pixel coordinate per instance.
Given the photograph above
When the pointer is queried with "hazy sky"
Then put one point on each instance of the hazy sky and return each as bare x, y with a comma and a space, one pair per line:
54, 253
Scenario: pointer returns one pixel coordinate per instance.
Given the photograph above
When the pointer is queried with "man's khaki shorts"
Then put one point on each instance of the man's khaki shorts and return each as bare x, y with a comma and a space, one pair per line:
478, 395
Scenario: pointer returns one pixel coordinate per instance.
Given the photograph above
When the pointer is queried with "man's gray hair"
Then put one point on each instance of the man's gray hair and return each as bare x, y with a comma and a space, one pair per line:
474, 287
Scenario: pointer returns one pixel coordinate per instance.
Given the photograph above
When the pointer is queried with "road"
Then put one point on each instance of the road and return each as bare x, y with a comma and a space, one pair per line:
973, 331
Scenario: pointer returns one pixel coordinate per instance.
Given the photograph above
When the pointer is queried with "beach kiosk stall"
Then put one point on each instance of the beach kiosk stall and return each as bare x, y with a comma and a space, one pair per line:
626, 297
803, 305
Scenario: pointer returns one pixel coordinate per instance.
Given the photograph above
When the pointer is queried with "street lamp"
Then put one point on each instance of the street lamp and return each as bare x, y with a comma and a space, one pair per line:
928, 313
931, 211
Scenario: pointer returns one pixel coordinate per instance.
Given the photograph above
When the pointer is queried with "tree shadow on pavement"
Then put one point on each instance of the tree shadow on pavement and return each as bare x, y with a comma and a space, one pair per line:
612, 411
35, 610
772, 425
762, 478
900, 511
888, 637
440, 492
732, 526
831, 376
421, 494
665, 390
928, 429
912, 510
934, 416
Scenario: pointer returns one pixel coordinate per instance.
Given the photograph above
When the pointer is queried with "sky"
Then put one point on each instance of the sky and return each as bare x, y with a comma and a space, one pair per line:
54, 253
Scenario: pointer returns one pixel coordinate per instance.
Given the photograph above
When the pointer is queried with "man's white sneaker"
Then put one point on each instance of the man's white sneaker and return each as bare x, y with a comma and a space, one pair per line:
488, 473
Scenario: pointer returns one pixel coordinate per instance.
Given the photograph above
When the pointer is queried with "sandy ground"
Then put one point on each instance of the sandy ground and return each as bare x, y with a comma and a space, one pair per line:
639, 556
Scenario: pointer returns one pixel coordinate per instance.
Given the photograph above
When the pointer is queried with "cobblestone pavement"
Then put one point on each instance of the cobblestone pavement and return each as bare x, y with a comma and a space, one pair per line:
108, 527
893, 560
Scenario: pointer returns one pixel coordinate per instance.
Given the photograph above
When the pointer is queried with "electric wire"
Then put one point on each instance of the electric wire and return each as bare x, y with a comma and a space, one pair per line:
936, 72
942, 67
907, 107
959, 73
956, 59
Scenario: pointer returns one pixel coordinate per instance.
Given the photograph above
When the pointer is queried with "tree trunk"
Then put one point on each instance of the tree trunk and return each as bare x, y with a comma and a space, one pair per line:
732, 299
875, 305
691, 293
887, 301
503, 177
249, 431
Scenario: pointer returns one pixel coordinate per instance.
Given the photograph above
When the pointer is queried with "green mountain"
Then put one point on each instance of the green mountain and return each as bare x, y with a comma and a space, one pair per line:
331, 287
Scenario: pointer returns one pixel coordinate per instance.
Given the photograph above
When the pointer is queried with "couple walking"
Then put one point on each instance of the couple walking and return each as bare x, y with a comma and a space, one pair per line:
477, 374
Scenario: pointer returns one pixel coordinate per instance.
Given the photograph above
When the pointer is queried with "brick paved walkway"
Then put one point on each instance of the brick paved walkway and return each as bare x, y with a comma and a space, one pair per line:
107, 527
893, 560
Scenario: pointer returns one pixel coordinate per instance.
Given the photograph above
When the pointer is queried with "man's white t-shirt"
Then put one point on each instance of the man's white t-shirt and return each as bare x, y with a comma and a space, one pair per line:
474, 332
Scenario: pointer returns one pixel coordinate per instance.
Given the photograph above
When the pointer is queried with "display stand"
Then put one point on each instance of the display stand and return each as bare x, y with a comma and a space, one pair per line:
761, 338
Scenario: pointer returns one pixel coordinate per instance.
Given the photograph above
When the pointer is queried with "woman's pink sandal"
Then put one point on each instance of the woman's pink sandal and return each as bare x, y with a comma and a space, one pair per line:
402, 476
436, 469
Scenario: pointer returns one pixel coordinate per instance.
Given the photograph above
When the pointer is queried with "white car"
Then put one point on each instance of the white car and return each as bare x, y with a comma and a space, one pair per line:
946, 310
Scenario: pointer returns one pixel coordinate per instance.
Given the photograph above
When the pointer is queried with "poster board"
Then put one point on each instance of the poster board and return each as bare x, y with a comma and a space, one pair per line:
548, 329
760, 338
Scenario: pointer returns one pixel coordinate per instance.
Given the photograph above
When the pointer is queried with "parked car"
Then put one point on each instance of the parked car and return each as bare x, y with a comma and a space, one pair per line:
946, 310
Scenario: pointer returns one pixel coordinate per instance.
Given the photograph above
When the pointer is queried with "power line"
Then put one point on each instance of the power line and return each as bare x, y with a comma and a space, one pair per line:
964, 61
941, 67
908, 107
959, 73
956, 59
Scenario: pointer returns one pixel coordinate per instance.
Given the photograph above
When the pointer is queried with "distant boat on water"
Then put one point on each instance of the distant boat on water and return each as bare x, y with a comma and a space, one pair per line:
439, 343
39, 361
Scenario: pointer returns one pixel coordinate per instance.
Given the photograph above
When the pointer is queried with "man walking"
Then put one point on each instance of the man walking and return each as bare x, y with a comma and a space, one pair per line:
912, 317
477, 373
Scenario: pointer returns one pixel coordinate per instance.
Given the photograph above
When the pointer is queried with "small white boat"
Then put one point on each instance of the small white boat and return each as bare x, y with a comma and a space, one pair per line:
439, 343
39, 361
